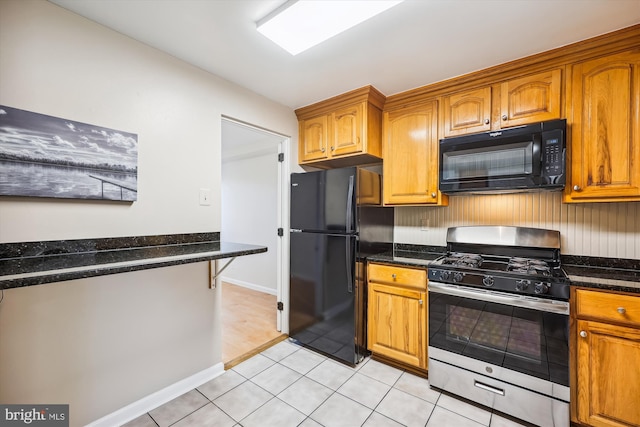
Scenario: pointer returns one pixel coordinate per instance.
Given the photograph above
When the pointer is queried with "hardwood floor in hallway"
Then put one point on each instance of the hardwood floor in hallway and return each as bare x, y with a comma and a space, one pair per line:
248, 323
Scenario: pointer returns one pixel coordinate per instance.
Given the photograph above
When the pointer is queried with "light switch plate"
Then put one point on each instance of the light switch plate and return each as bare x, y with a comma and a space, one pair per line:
205, 197
424, 224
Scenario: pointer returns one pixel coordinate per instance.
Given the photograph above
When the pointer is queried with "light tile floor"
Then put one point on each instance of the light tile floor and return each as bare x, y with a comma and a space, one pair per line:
287, 386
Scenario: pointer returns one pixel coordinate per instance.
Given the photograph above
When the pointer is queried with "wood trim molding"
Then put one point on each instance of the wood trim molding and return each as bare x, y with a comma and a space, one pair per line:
364, 94
617, 41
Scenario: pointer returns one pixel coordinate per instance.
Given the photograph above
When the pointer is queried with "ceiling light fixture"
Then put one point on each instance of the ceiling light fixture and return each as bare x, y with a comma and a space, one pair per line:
298, 25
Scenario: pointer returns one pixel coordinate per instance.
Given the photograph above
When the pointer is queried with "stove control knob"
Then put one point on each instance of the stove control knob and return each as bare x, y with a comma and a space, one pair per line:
541, 288
457, 276
444, 275
521, 285
488, 281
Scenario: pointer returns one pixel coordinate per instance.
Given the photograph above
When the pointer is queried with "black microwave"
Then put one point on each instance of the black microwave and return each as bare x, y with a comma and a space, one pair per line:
523, 158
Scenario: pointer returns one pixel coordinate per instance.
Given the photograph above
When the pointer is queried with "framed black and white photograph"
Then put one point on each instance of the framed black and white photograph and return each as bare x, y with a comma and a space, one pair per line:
45, 156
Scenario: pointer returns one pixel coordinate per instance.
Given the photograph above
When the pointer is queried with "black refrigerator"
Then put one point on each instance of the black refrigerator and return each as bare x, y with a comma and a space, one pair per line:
337, 220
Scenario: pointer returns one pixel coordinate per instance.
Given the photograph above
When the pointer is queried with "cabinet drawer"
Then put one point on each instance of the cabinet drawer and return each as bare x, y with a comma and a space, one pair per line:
608, 306
412, 277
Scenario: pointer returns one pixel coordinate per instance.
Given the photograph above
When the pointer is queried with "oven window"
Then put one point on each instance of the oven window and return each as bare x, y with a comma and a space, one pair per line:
501, 333
525, 340
510, 159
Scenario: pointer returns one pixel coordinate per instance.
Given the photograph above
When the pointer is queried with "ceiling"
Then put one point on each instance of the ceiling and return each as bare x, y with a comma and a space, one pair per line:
413, 44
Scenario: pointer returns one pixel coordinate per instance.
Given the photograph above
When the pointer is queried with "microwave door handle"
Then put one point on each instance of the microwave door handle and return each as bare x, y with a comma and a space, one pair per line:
538, 155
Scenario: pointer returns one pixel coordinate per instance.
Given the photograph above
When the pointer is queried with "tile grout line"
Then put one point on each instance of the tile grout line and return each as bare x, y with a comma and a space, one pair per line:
274, 396
190, 413
333, 392
232, 388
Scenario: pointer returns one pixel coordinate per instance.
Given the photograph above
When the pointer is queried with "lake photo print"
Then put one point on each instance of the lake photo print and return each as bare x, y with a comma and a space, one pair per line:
45, 156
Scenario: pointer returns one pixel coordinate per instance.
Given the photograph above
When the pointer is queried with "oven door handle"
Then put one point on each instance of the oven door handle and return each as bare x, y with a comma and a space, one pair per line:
541, 304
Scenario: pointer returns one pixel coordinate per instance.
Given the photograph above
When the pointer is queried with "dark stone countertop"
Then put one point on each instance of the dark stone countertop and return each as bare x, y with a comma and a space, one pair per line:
36, 263
406, 258
610, 274
605, 278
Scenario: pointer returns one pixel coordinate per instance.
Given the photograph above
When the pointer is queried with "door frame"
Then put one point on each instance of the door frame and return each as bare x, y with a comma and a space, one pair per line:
282, 246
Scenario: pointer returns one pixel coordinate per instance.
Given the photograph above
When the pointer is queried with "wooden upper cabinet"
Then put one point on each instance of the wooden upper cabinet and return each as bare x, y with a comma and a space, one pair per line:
369, 191
314, 133
604, 152
347, 130
410, 151
467, 112
530, 99
342, 131
515, 102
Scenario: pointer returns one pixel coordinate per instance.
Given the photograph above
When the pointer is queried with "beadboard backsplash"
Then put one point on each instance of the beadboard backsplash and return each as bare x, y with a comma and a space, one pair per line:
590, 229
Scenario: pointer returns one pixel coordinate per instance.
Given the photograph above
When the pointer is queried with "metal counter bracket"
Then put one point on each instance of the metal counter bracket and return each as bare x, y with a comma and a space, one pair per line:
214, 272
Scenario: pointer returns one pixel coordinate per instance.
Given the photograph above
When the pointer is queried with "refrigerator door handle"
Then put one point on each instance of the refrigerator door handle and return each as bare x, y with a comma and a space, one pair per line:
349, 261
349, 215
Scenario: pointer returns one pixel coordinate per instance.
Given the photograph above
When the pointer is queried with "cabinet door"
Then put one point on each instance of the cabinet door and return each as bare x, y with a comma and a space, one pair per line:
410, 153
605, 129
369, 191
608, 375
397, 326
314, 133
467, 112
530, 99
347, 130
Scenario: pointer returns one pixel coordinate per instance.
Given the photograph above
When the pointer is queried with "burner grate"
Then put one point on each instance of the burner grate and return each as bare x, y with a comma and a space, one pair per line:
531, 266
458, 259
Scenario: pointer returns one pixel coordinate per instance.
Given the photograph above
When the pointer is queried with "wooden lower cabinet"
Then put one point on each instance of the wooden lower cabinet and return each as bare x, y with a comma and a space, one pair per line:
608, 374
607, 360
397, 314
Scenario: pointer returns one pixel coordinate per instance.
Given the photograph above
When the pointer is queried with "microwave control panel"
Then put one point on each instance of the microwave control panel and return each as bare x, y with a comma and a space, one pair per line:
553, 153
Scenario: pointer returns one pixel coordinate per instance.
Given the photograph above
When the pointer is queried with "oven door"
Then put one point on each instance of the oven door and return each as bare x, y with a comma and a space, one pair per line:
519, 333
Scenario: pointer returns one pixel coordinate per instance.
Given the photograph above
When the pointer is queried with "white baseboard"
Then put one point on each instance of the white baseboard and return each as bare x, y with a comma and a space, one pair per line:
160, 397
249, 285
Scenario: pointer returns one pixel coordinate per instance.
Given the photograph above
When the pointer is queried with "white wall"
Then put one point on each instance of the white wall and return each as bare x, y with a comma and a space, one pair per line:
100, 344
591, 229
103, 342
249, 199
57, 63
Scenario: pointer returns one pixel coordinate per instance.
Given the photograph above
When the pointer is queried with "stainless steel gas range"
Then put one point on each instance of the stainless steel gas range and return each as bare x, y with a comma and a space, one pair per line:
499, 322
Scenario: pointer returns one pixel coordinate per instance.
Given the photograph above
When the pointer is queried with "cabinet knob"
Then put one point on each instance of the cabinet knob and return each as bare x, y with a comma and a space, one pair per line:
583, 334
393, 276
486, 121
576, 188
420, 302
333, 148
621, 310
505, 117
433, 195
322, 149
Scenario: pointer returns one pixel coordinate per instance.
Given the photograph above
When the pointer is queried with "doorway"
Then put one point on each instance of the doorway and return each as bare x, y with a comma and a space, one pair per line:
255, 202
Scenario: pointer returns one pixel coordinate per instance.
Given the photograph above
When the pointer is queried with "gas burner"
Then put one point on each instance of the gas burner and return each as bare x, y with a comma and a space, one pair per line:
515, 260
458, 259
531, 266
